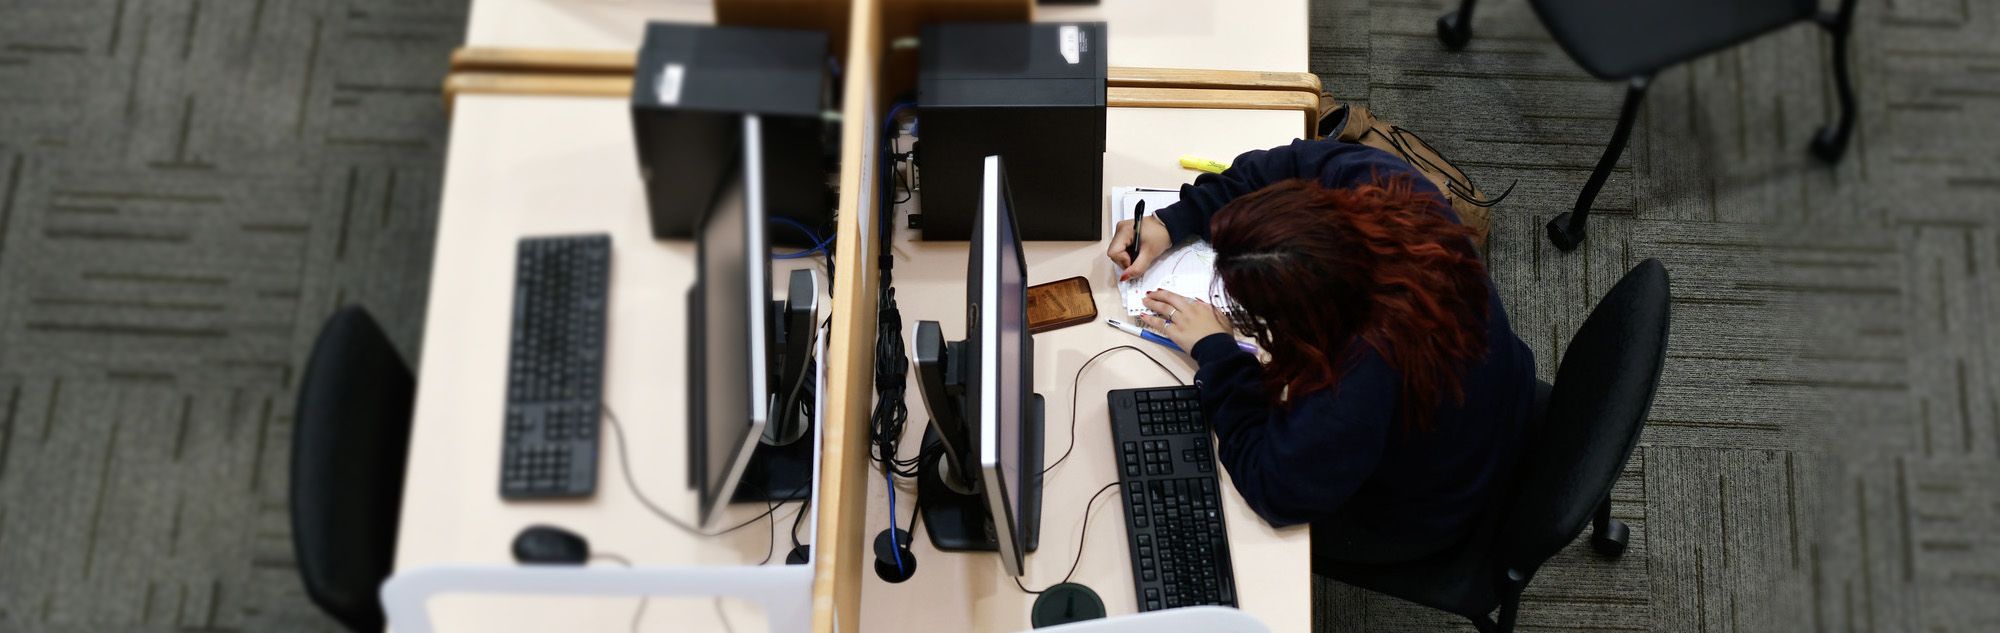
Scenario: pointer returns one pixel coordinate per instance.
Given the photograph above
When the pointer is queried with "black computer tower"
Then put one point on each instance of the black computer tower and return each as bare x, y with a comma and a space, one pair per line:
690, 89
1030, 92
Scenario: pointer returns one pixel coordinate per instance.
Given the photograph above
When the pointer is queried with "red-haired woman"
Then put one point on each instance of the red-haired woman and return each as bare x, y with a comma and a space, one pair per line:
1396, 395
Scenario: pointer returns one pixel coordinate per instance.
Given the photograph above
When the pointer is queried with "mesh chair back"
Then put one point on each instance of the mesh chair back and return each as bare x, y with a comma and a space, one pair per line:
1595, 413
1619, 39
349, 446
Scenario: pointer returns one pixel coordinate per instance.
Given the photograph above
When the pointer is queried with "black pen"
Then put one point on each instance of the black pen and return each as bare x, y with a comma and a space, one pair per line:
1138, 219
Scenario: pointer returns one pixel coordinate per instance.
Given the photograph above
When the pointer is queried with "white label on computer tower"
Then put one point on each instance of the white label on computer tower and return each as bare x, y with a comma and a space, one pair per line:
1068, 36
669, 87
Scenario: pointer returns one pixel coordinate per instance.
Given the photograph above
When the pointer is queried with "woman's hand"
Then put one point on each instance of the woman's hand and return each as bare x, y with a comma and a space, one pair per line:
1153, 240
1185, 321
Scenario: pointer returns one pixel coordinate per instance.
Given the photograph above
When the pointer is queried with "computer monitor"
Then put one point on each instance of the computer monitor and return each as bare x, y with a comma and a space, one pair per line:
748, 356
981, 487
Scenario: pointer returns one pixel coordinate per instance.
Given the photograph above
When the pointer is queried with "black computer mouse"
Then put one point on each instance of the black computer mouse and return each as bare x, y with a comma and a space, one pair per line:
550, 545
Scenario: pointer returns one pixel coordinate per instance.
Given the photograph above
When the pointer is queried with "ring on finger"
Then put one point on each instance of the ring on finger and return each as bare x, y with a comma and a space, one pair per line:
1170, 315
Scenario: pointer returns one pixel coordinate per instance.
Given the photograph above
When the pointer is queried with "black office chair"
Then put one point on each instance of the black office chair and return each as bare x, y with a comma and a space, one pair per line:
1633, 40
349, 445
1594, 414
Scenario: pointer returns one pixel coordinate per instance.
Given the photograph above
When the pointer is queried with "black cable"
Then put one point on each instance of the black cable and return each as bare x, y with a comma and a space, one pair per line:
902, 177
625, 465
891, 414
1081, 535
1077, 385
800, 518
892, 365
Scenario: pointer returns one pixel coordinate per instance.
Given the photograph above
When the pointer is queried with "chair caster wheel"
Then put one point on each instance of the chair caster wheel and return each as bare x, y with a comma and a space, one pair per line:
1564, 233
1453, 32
1828, 145
1611, 541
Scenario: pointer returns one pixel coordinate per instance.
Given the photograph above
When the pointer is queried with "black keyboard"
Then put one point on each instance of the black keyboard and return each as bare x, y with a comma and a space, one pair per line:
555, 369
1173, 502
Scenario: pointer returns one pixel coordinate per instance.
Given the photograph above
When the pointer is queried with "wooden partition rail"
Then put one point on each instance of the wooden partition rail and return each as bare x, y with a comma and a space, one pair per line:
620, 86
529, 60
1305, 103
543, 60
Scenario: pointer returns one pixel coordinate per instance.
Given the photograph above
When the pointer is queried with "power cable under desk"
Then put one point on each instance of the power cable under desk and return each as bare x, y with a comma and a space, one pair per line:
625, 467
1076, 384
1081, 539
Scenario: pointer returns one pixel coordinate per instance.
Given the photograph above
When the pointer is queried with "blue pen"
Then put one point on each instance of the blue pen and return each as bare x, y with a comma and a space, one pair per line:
1142, 333
1148, 335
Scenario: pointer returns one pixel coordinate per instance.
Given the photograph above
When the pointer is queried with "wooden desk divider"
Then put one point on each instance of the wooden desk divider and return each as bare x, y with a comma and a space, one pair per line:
844, 547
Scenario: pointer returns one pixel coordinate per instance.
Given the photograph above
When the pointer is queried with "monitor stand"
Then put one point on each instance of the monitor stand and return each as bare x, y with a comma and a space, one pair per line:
775, 472
955, 514
781, 466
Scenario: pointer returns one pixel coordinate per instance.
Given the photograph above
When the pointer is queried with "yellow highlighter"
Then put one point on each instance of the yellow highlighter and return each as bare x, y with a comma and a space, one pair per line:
1191, 161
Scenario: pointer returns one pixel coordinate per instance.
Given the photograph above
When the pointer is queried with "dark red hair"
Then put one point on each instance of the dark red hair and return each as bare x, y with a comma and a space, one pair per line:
1316, 271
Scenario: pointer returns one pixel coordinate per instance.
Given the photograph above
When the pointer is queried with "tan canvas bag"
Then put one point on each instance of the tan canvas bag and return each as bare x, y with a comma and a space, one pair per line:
1354, 124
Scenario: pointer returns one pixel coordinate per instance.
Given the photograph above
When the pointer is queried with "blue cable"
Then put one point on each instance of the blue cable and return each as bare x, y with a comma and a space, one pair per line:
895, 547
819, 245
890, 122
888, 211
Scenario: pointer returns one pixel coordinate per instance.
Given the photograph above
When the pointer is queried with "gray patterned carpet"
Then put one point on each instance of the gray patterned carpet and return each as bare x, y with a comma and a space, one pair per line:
1824, 454
188, 186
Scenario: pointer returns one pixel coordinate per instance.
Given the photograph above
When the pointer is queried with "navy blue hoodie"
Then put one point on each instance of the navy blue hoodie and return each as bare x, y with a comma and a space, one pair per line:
1343, 452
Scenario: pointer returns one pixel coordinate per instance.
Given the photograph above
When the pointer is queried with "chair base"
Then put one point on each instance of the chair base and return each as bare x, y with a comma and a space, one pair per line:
1454, 32
1612, 540
1829, 144
1565, 232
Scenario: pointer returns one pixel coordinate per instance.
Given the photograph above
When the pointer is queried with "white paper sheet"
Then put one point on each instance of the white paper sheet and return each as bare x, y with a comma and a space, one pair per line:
1187, 269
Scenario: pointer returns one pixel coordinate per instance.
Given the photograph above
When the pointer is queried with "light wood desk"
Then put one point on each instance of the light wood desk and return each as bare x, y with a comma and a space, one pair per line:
967, 591
526, 166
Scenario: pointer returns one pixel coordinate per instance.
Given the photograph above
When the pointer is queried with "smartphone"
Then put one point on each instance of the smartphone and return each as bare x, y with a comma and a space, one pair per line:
1060, 304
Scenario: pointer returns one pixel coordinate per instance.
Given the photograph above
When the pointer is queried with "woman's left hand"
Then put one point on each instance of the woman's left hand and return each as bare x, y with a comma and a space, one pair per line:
1185, 321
